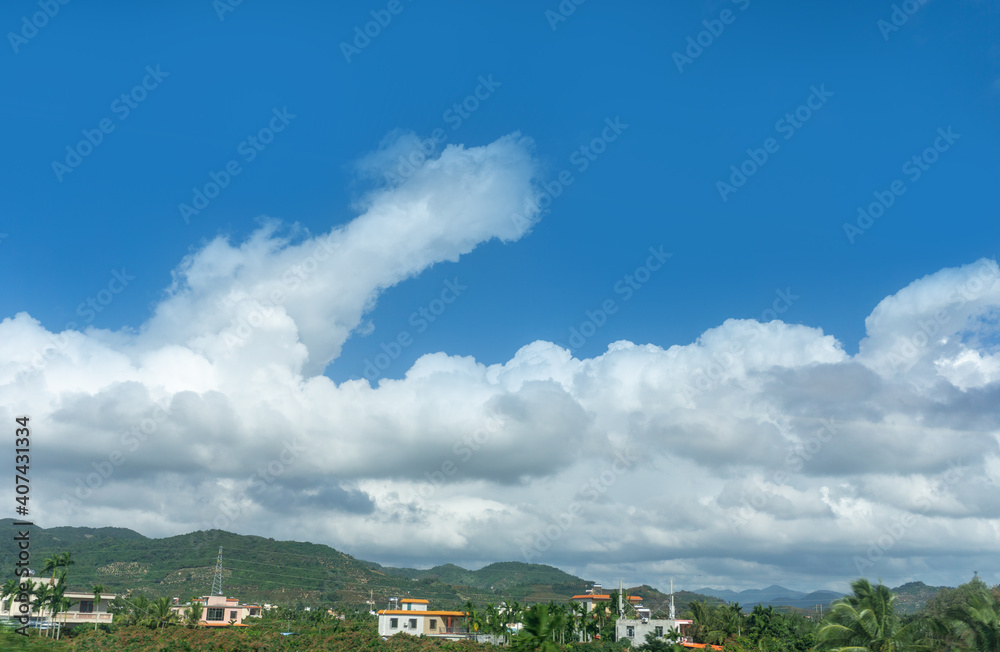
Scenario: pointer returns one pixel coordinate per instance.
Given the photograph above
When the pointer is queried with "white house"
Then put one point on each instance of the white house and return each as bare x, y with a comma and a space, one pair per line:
411, 616
83, 608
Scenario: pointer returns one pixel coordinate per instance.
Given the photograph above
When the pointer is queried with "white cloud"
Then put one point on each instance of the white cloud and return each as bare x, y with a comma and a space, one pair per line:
758, 448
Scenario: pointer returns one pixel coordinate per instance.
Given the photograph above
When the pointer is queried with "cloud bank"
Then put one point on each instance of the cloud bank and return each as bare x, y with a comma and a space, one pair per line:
761, 450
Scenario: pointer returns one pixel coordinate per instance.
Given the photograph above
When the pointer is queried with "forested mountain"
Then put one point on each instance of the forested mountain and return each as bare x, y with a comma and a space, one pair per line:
265, 570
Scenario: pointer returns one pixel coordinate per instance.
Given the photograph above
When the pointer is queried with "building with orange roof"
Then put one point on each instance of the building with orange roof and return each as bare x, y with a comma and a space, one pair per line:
594, 597
411, 616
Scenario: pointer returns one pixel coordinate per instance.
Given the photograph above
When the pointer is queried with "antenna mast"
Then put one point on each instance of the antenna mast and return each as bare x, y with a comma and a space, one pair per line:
217, 582
673, 613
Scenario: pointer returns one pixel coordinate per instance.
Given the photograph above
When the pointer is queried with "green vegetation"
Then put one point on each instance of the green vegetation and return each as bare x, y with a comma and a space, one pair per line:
965, 619
284, 572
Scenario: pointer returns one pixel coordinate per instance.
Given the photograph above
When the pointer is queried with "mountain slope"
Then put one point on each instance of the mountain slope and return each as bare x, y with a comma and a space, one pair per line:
264, 570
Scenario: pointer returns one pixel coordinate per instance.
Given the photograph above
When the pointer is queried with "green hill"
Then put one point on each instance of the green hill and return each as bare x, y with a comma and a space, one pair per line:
258, 569
517, 580
913, 596
659, 602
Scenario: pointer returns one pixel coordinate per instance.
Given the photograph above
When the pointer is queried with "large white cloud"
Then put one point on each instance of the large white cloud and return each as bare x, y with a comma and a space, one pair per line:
761, 449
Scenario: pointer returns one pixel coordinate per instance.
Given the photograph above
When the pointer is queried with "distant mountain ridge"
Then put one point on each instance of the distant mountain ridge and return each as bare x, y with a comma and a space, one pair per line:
774, 595
910, 597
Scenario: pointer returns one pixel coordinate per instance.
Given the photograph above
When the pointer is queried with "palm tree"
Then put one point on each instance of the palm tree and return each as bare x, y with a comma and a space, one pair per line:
761, 625
43, 594
492, 617
139, 611
511, 614
579, 613
977, 622
473, 619
51, 564
65, 559
162, 613
734, 620
538, 633
10, 589
193, 616
701, 620
98, 589
59, 603
866, 620
561, 618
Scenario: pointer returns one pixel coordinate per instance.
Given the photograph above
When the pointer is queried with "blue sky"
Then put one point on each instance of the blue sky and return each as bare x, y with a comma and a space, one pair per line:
838, 97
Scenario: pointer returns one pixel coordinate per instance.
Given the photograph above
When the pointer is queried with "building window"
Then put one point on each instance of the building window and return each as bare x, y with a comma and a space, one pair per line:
86, 606
434, 623
413, 623
232, 615
659, 631
393, 623
255, 612
630, 631
215, 615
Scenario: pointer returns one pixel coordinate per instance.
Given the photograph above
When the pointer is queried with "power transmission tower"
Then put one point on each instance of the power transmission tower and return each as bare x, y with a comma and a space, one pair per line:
217, 582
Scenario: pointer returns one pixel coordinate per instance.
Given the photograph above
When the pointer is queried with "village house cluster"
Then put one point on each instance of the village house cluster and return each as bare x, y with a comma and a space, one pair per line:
414, 617
86, 607
411, 616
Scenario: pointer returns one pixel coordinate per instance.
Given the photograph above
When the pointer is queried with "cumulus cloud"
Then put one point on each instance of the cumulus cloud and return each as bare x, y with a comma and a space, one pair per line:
761, 448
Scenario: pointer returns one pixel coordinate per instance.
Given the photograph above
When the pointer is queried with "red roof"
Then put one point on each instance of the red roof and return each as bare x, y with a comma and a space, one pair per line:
701, 646
590, 596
